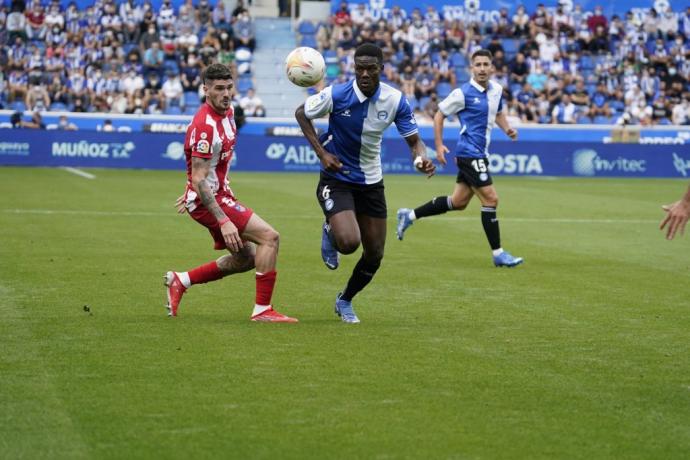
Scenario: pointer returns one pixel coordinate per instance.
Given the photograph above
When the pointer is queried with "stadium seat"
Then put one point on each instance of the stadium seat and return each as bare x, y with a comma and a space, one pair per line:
191, 99
462, 75
443, 89
173, 110
57, 107
458, 60
308, 40
423, 102
602, 120
244, 84
306, 28
511, 46
584, 120
18, 106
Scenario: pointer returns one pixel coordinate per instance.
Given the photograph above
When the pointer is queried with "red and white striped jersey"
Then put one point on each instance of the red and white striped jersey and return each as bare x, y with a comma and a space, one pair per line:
212, 136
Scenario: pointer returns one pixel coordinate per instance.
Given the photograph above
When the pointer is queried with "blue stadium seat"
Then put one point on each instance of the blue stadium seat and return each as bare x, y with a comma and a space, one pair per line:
18, 106
423, 102
617, 105
306, 28
458, 60
602, 120
462, 75
173, 110
244, 84
665, 121
57, 107
308, 40
191, 99
511, 46
586, 62
584, 120
443, 89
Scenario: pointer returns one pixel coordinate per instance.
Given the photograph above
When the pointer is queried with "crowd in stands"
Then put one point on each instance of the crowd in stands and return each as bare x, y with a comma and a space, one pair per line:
556, 65
121, 56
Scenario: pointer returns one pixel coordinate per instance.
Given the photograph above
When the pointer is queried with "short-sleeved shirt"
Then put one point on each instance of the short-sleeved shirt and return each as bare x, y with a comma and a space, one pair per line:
476, 107
211, 136
356, 125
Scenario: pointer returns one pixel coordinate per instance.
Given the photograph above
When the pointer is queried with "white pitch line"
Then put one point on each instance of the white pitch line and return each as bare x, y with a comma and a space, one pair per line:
79, 172
172, 213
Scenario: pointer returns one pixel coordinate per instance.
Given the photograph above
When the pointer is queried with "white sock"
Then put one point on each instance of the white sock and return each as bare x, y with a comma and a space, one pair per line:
258, 309
184, 278
412, 215
498, 252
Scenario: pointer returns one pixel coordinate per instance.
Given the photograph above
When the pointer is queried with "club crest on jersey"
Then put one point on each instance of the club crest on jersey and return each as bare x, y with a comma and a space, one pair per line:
203, 146
382, 115
203, 135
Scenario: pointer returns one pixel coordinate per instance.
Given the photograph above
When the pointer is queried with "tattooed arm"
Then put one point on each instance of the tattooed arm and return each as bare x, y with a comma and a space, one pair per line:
200, 169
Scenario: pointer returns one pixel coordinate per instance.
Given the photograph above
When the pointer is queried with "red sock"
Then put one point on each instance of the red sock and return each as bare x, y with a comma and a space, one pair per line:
205, 273
264, 287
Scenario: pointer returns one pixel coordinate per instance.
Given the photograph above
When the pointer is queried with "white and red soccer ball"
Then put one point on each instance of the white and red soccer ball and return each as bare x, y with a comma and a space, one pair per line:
305, 66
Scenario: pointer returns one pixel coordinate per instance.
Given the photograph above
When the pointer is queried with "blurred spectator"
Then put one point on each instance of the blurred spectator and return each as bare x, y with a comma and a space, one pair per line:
564, 112
597, 19
36, 28
431, 107
108, 126
252, 105
16, 24
65, 124
173, 91
37, 98
244, 32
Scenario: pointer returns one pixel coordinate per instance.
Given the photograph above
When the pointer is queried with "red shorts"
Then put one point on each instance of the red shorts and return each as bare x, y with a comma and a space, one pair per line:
236, 211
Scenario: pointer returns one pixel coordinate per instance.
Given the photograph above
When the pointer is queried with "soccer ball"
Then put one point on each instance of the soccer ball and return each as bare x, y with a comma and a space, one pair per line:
305, 66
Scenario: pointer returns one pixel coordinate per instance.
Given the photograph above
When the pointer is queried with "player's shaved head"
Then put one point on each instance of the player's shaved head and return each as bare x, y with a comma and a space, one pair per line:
217, 71
369, 49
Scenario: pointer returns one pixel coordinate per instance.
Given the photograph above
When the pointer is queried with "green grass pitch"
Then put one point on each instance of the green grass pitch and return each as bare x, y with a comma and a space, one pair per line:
582, 352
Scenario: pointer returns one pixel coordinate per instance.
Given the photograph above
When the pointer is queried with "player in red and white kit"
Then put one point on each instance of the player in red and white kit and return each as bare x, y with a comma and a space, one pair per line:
253, 243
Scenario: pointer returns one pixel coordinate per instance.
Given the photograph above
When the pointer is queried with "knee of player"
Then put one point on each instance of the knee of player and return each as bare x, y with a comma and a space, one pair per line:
347, 244
458, 203
271, 238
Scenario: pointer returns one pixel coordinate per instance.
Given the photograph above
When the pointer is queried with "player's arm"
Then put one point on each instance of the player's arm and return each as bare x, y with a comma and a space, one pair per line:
329, 161
419, 159
441, 149
317, 106
677, 215
200, 170
502, 122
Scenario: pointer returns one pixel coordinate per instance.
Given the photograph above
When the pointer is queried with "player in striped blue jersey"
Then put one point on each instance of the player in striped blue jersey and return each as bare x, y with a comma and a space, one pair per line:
350, 190
478, 104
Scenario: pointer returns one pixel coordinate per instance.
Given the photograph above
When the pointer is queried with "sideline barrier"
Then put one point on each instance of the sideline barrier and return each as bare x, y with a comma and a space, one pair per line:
28, 147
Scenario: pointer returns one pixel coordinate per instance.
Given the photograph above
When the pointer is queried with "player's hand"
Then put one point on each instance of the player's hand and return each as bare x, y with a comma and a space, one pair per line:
441, 151
330, 162
180, 204
232, 238
512, 133
676, 218
427, 167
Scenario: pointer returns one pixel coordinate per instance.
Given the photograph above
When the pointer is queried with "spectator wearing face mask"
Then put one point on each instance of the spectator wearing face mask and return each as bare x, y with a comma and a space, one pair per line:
244, 32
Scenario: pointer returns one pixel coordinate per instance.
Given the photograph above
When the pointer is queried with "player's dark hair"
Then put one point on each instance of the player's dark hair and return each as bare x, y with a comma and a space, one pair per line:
483, 52
369, 49
217, 71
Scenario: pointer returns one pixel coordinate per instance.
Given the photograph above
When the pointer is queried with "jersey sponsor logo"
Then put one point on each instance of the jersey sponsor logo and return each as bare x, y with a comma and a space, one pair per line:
345, 113
203, 135
476, 100
240, 208
203, 146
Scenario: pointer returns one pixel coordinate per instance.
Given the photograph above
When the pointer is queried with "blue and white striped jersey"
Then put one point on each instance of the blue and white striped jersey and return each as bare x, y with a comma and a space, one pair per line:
476, 108
356, 125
